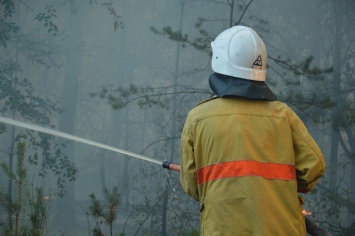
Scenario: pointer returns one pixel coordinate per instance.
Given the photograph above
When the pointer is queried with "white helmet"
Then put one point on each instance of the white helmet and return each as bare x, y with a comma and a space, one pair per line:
239, 52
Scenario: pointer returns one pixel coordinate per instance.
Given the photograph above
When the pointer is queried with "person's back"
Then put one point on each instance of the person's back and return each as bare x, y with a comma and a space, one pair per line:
259, 151
244, 157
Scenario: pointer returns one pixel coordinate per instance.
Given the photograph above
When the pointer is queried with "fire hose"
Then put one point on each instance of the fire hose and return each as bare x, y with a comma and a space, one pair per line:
312, 227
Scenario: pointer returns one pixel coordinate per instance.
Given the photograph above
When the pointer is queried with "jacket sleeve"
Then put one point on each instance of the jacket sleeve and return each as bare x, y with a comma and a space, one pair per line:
309, 160
187, 162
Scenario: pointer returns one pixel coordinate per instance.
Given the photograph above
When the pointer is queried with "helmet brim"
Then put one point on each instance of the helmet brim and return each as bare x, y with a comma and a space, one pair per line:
228, 86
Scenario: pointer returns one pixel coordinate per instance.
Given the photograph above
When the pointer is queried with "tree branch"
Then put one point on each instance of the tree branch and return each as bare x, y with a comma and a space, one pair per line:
243, 13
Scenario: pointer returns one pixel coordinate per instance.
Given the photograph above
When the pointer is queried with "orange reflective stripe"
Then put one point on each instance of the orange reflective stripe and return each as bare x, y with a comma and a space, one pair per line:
245, 168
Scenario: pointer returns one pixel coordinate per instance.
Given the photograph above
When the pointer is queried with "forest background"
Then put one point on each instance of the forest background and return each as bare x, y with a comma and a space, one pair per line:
125, 73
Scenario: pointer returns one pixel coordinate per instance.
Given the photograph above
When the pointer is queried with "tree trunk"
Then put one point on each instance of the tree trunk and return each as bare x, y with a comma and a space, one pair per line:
9, 185
231, 14
348, 17
336, 88
66, 217
173, 125
125, 172
13, 134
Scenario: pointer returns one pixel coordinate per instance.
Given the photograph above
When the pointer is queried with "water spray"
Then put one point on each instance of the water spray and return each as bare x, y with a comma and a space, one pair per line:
164, 164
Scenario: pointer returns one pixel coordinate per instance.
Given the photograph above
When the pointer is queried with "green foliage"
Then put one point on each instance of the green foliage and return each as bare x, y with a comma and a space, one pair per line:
15, 203
117, 22
9, 7
200, 43
172, 35
7, 30
49, 156
299, 89
203, 39
38, 212
21, 202
348, 118
19, 178
47, 18
303, 68
18, 97
104, 210
145, 97
310, 105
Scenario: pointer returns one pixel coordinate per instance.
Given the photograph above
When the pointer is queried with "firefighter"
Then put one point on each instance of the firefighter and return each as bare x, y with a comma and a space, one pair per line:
245, 155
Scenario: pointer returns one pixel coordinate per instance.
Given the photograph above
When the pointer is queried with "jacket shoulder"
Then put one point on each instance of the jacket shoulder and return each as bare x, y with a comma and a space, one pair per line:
206, 100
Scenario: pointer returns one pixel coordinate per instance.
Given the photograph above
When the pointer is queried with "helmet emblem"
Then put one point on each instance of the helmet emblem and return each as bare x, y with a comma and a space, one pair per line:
258, 61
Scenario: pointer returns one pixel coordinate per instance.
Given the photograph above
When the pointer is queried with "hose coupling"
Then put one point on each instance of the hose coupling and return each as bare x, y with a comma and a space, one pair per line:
166, 165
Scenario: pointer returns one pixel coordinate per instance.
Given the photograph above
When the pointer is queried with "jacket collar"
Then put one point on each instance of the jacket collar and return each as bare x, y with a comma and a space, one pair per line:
228, 86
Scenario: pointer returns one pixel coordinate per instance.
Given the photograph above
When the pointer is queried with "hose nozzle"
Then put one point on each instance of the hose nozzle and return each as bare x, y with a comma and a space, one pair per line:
166, 164
169, 166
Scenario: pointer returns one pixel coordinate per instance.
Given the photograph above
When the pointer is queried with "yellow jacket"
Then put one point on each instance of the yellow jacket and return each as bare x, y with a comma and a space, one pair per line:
245, 162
